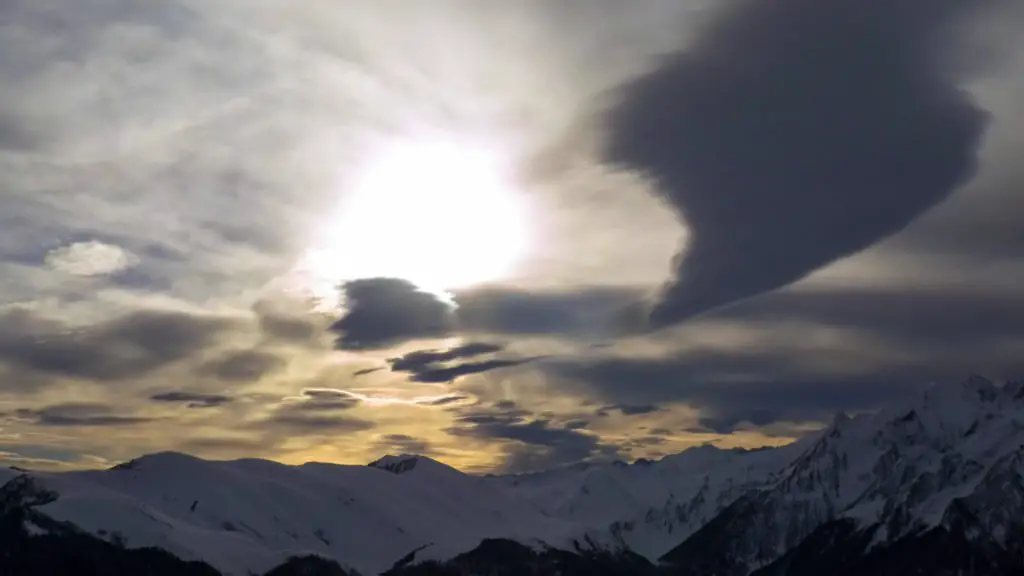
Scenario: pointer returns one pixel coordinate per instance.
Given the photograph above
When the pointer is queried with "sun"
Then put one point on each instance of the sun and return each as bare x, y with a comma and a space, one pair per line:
441, 214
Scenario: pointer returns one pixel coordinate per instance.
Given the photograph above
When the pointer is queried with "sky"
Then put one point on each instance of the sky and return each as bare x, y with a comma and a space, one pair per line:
507, 235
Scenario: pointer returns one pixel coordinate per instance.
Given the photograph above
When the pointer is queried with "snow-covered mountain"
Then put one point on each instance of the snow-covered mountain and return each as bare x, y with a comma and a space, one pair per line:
648, 506
951, 461
250, 515
941, 480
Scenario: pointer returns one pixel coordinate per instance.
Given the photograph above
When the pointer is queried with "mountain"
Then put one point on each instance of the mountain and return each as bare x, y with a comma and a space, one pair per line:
649, 507
933, 487
250, 515
945, 472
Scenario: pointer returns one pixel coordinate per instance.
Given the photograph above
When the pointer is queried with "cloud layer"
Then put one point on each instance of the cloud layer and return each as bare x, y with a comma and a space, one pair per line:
789, 135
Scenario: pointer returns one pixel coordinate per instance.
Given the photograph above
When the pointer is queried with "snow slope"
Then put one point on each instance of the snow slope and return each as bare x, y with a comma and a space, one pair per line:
898, 472
955, 458
652, 506
250, 515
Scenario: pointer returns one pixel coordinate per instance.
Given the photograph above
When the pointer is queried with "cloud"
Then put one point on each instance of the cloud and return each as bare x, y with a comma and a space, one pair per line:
382, 312
192, 399
628, 409
316, 411
789, 136
244, 365
911, 318
415, 361
402, 443
433, 366
127, 346
724, 402
77, 414
287, 325
586, 312
322, 399
444, 400
317, 423
93, 258
534, 443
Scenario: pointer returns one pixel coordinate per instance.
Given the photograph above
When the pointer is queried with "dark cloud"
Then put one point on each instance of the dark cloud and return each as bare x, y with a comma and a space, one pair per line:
402, 443
445, 400
918, 336
16, 135
286, 325
317, 410
791, 134
366, 371
323, 399
192, 399
317, 423
935, 319
243, 365
439, 375
77, 414
382, 312
628, 409
787, 395
415, 361
129, 346
433, 366
534, 443
586, 312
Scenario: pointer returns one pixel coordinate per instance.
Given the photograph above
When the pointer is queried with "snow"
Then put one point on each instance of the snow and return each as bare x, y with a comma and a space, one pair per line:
955, 442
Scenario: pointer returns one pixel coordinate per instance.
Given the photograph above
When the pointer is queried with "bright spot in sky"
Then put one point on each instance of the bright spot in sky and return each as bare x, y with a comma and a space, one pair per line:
439, 214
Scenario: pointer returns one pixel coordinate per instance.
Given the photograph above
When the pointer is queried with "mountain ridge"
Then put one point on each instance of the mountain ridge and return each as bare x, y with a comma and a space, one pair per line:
945, 470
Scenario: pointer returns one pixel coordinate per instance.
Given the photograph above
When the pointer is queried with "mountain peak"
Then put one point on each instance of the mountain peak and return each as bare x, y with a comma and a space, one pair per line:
404, 463
158, 459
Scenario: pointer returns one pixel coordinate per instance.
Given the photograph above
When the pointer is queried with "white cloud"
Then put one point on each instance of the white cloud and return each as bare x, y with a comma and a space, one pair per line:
93, 258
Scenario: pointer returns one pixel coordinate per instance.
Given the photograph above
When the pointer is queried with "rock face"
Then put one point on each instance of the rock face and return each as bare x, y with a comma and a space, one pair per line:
936, 487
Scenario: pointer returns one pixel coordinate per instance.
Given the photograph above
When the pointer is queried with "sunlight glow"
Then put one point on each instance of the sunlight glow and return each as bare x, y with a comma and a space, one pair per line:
437, 213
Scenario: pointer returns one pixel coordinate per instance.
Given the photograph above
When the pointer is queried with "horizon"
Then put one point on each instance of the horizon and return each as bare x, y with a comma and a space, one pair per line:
881, 411
507, 236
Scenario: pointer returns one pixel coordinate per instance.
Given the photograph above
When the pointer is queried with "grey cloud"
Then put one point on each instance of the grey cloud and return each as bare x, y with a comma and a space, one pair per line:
950, 329
384, 312
381, 312
415, 361
429, 366
16, 136
315, 424
128, 346
628, 409
316, 410
763, 399
445, 400
244, 365
403, 443
77, 414
367, 371
286, 325
587, 312
322, 399
536, 443
791, 135
438, 375
192, 399
920, 336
